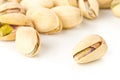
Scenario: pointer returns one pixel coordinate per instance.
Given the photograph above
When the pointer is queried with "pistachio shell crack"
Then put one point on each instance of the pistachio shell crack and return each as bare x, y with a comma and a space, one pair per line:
87, 51
90, 8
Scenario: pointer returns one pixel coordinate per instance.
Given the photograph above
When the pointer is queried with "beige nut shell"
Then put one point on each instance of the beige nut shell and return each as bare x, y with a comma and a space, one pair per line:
96, 54
45, 20
11, 6
27, 41
69, 15
90, 10
65, 2
115, 7
15, 19
104, 4
37, 4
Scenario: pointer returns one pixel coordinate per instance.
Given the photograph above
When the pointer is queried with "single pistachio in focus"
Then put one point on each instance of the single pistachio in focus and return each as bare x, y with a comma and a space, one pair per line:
90, 49
45, 20
115, 7
27, 41
66, 2
90, 8
37, 4
104, 4
69, 15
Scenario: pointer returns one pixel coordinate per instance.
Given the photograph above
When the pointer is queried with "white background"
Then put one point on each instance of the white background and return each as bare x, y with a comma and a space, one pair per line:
55, 61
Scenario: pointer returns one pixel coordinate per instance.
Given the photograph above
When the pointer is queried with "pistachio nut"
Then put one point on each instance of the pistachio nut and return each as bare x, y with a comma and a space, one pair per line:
90, 49
115, 7
27, 41
69, 15
104, 4
65, 2
36, 4
45, 20
90, 8
7, 32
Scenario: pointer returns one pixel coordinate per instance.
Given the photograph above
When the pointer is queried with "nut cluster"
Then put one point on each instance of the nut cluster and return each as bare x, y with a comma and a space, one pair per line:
23, 20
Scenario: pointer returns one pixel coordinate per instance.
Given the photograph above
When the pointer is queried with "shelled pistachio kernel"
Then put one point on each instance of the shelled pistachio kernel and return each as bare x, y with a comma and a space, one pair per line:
90, 49
5, 30
115, 7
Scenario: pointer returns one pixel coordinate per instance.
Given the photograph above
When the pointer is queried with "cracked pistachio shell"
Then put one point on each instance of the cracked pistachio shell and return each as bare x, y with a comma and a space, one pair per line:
90, 49
65, 2
36, 4
115, 7
27, 41
69, 15
11, 7
90, 8
104, 4
45, 20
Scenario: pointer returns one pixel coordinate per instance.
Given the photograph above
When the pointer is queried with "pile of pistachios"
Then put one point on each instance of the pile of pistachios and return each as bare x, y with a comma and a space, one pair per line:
22, 21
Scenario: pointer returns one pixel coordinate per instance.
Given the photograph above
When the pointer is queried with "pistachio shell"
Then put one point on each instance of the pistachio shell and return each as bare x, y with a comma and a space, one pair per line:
37, 3
45, 20
65, 2
115, 7
11, 6
90, 49
15, 19
69, 15
104, 4
27, 41
90, 8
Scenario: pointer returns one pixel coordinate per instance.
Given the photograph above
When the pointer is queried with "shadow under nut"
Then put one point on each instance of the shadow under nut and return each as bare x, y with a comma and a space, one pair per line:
104, 4
90, 49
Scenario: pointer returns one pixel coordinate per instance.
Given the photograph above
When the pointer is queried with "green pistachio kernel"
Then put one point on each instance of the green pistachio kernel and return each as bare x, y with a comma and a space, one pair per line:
5, 30
115, 3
